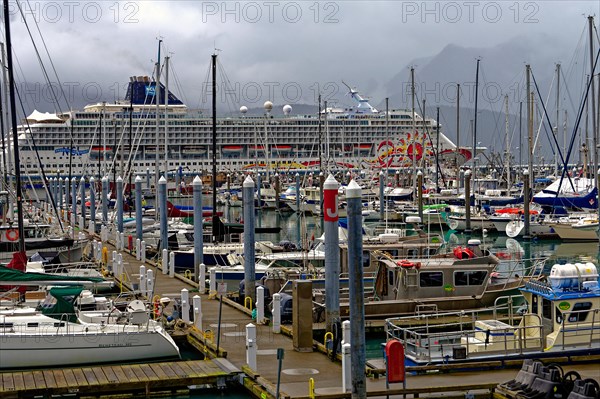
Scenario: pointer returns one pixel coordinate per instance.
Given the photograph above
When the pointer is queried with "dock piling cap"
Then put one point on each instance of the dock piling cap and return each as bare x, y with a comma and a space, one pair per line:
353, 190
197, 181
330, 183
474, 241
248, 182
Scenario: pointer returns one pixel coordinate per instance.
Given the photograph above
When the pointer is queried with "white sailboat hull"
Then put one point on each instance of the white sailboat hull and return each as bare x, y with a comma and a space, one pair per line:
74, 344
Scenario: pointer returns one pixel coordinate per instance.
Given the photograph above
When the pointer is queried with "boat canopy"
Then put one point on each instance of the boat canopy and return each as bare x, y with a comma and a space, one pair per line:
64, 303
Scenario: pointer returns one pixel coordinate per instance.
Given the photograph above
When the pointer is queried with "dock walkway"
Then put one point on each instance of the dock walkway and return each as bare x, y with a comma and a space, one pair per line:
299, 367
104, 380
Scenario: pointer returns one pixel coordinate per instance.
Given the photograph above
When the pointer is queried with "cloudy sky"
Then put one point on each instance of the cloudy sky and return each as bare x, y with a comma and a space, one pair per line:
284, 51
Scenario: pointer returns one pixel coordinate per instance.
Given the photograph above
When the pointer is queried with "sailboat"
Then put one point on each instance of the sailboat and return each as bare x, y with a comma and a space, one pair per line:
56, 329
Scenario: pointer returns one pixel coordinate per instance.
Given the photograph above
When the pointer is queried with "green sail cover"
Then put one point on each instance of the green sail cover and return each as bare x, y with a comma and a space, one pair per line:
64, 305
15, 276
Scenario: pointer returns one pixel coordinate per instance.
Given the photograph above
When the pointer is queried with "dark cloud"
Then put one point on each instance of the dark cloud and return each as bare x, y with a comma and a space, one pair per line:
289, 50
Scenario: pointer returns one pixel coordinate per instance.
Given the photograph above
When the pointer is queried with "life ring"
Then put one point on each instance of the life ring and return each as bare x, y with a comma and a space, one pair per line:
406, 264
463, 253
12, 235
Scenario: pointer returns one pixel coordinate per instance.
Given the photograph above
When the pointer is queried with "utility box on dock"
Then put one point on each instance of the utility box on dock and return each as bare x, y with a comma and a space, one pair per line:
302, 315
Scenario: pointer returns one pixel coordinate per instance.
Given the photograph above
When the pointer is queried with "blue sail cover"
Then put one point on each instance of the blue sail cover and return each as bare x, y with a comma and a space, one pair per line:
588, 201
142, 92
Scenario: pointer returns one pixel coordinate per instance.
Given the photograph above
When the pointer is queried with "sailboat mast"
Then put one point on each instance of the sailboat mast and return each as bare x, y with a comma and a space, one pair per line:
4, 164
507, 156
414, 128
327, 143
13, 120
457, 137
157, 100
594, 121
320, 137
475, 121
214, 144
529, 129
9, 151
557, 117
166, 121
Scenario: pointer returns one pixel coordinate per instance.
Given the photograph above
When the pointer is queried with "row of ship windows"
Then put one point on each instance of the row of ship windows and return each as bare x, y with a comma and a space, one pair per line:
51, 167
109, 130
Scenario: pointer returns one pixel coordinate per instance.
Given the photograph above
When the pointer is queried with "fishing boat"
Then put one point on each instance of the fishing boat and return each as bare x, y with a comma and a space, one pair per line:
468, 278
56, 336
560, 321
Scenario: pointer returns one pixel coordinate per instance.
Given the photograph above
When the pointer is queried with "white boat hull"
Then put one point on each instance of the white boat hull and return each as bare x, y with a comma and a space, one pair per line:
75, 344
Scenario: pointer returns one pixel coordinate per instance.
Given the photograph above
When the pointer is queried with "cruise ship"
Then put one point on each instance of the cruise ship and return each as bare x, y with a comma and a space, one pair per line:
106, 139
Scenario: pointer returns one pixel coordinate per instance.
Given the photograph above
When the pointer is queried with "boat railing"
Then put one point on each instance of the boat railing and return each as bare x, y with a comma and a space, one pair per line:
442, 341
579, 326
63, 321
521, 271
505, 304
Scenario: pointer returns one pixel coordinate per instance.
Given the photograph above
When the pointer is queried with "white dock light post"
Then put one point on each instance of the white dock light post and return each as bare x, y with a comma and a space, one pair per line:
346, 368
260, 305
149, 283
251, 346
212, 285
143, 282
165, 261
171, 264
197, 301
276, 311
185, 305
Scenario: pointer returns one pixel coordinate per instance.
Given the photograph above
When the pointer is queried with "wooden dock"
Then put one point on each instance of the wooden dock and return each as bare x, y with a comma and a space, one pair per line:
111, 379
